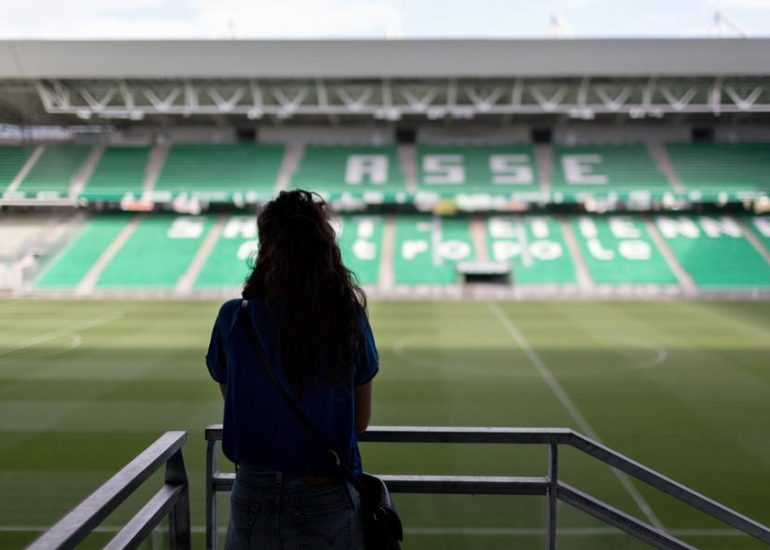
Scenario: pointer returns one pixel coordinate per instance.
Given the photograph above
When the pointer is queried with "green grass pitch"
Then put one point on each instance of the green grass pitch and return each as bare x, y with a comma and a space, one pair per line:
683, 387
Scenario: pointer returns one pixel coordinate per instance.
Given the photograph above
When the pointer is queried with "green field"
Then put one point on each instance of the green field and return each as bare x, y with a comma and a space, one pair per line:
683, 387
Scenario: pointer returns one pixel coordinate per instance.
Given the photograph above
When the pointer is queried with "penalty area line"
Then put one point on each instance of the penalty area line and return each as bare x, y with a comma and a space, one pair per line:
569, 405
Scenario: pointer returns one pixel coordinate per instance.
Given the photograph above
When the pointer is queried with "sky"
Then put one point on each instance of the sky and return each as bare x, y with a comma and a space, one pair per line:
255, 19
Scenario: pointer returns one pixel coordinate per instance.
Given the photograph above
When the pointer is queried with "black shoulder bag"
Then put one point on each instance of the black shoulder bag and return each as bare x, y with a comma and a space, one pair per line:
382, 526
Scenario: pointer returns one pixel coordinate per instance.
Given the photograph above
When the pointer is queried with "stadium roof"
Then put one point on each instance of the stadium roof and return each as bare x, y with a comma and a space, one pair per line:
351, 59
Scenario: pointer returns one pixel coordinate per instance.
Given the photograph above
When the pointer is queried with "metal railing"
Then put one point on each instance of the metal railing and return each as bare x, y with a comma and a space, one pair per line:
549, 485
171, 500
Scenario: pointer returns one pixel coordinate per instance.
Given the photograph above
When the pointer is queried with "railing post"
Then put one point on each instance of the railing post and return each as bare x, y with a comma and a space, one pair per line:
211, 495
552, 496
179, 516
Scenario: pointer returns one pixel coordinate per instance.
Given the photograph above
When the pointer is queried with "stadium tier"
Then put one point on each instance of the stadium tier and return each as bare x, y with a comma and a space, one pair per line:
220, 170
12, 159
617, 169
119, 170
711, 169
55, 170
449, 170
248, 172
214, 252
340, 169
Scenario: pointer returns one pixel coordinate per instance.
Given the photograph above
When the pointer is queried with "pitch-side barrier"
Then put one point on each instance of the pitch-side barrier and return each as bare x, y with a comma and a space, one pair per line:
550, 485
172, 501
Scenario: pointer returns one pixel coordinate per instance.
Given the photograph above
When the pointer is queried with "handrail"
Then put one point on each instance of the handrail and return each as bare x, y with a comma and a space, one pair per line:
565, 436
550, 486
172, 499
671, 487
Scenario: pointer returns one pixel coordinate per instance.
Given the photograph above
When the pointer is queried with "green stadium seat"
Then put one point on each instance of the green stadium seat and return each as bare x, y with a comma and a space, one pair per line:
342, 169
55, 169
360, 240
711, 169
230, 261
608, 169
715, 252
427, 249
534, 246
449, 170
216, 168
157, 253
12, 159
618, 250
67, 269
120, 170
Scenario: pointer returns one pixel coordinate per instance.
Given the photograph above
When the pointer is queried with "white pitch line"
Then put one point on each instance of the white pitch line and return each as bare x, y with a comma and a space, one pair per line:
475, 531
75, 341
29, 342
571, 408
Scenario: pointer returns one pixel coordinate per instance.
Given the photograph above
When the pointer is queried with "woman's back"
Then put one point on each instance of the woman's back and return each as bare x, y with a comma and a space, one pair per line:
305, 312
259, 426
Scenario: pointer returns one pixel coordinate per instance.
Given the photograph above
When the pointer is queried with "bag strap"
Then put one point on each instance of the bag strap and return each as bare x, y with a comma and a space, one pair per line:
333, 456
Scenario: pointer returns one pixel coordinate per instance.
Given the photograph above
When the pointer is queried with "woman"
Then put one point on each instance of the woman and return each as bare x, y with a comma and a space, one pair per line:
309, 316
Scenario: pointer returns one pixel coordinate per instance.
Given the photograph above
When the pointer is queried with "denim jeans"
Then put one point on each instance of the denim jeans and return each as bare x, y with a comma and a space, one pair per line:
275, 511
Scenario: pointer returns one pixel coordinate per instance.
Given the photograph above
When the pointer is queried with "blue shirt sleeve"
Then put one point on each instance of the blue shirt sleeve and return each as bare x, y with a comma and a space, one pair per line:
369, 361
216, 358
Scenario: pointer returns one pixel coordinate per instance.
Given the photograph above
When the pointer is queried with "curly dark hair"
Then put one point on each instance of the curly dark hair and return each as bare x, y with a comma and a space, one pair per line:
300, 275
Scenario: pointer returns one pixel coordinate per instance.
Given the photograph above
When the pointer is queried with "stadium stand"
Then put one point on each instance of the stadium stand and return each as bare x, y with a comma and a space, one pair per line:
228, 264
618, 250
714, 168
12, 159
342, 169
156, 254
715, 251
534, 246
427, 249
67, 269
616, 168
223, 169
119, 170
476, 169
54, 170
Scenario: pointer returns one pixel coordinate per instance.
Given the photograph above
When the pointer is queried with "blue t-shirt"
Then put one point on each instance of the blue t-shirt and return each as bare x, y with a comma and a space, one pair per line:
260, 427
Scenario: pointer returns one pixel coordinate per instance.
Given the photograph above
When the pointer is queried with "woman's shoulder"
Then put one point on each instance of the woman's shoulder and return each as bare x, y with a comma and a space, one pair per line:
230, 307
